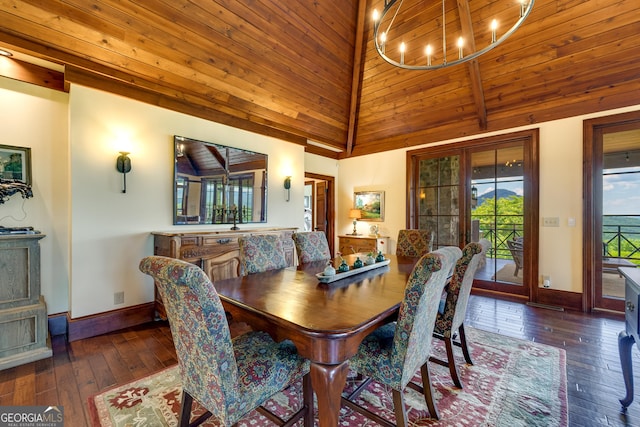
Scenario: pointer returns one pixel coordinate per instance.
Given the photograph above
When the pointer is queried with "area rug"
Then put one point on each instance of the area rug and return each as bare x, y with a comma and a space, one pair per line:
511, 383
505, 274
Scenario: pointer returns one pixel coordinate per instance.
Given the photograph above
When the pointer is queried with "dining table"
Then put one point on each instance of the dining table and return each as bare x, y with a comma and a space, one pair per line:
326, 321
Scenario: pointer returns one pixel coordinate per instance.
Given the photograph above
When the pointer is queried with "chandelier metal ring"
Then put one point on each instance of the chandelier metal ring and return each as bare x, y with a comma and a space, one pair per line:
381, 39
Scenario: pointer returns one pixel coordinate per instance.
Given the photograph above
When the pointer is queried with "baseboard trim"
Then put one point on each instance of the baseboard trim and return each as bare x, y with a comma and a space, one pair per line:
102, 323
557, 298
57, 324
547, 298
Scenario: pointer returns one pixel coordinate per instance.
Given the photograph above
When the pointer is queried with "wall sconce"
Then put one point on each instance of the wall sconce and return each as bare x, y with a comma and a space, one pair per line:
287, 186
123, 165
355, 215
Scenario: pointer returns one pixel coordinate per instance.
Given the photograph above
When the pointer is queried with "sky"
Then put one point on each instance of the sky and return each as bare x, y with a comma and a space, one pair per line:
621, 192
489, 187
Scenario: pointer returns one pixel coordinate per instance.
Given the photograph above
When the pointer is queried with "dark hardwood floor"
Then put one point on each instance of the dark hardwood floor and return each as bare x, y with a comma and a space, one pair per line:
80, 369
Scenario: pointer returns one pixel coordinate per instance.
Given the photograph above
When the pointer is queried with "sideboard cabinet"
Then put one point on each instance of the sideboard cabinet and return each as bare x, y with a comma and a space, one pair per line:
216, 252
24, 332
350, 244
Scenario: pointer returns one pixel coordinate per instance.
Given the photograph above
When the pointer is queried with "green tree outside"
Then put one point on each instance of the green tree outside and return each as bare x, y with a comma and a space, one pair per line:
500, 220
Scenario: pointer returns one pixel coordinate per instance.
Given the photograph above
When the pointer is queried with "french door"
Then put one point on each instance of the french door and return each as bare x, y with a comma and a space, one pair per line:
482, 189
612, 220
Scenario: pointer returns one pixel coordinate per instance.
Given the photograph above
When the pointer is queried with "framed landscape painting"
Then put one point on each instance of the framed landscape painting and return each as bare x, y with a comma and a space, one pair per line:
15, 163
371, 204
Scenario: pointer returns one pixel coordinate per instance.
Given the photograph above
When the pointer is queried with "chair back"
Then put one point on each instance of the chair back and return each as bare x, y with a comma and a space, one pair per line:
459, 288
516, 247
414, 243
311, 246
417, 315
261, 252
200, 331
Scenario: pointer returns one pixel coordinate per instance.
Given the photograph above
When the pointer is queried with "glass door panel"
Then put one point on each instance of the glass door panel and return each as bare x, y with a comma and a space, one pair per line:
439, 199
497, 214
620, 212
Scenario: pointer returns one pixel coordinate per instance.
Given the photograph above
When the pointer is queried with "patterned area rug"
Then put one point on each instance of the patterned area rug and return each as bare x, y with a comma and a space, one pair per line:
512, 383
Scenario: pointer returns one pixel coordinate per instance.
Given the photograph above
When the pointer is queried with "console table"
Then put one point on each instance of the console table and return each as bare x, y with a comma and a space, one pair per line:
629, 336
24, 332
350, 244
216, 252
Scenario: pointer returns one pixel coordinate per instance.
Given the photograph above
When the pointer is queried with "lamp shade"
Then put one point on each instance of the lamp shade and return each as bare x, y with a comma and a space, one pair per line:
355, 214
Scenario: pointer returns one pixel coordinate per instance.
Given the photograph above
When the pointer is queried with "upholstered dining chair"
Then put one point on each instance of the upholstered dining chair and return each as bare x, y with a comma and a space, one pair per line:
450, 320
414, 243
228, 377
311, 246
261, 252
393, 353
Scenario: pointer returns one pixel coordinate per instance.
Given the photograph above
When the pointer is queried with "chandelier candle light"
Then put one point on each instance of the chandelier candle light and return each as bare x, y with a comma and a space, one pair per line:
517, 14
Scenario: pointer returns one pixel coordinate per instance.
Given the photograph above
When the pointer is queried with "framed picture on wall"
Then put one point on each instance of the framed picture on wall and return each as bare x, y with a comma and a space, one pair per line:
15, 163
370, 203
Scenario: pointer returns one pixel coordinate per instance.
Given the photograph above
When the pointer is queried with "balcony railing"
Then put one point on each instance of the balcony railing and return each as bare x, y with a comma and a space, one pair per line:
499, 237
620, 238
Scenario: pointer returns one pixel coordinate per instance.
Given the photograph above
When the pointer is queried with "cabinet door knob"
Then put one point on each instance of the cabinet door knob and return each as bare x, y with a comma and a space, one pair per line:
630, 306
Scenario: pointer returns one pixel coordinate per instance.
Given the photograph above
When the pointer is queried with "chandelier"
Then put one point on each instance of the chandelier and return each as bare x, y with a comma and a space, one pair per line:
429, 28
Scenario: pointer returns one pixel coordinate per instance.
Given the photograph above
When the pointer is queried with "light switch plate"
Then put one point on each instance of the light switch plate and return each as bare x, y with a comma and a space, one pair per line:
551, 221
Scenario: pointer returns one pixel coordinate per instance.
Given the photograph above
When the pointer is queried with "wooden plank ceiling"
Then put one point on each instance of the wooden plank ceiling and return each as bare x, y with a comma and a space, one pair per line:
308, 70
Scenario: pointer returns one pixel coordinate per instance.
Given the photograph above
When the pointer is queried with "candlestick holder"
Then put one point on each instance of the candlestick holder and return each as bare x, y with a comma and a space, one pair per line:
234, 211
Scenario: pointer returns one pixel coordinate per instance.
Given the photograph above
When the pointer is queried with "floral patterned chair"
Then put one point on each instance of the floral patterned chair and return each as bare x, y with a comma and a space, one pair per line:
228, 377
261, 252
311, 246
393, 353
414, 243
451, 319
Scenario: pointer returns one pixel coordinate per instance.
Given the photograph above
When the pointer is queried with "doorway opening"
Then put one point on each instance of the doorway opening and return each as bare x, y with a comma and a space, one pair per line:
319, 206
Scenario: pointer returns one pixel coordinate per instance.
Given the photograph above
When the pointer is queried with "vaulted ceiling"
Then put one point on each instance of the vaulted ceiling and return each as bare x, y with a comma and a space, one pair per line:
307, 71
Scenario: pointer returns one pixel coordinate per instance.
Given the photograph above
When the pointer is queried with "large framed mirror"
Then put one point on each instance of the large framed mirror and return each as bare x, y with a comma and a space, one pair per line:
216, 184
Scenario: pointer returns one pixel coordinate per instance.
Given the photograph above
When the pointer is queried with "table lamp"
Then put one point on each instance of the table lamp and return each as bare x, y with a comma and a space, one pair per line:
355, 215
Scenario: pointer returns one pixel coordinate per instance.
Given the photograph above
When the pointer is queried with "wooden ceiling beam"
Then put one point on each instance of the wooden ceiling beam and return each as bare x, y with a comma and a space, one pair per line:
356, 78
19, 70
472, 66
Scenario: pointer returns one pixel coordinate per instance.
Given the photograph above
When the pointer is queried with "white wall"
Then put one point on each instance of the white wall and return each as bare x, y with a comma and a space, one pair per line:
560, 194
110, 230
37, 118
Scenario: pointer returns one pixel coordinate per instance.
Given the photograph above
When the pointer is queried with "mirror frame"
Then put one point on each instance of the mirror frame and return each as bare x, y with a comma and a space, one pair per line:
229, 184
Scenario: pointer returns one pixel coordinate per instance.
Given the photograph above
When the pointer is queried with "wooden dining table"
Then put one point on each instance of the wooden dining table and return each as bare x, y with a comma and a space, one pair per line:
326, 321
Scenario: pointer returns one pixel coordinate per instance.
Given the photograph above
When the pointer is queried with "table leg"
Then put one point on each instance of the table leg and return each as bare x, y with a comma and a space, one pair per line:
328, 381
625, 342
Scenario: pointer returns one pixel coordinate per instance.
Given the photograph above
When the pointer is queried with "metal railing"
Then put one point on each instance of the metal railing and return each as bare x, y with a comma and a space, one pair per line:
621, 240
498, 236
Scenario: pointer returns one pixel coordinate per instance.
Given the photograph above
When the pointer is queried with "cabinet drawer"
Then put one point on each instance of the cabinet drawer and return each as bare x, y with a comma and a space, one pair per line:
350, 245
211, 246
631, 309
